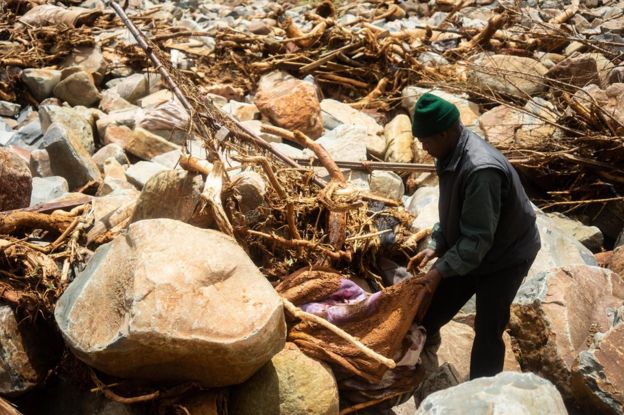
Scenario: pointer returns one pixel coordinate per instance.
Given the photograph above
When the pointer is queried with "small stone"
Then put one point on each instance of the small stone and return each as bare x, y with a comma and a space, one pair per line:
398, 133
41, 82
114, 170
505, 393
15, 181
110, 150
155, 99
168, 120
68, 158
112, 101
181, 190
46, 189
609, 100
74, 121
291, 383
133, 87
227, 91
255, 126
28, 135
387, 184
241, 110
9, 109
146, 145
139, 173
290, 103
90, 60
77, 89
259, 27
127, 117
40, 164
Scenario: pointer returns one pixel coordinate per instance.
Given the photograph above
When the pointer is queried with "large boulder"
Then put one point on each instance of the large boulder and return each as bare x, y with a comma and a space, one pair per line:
517, 76
151, 304
555, 314
15, 181
290, 103
181, 190
504, 394
598, 378
291, 383
559, 248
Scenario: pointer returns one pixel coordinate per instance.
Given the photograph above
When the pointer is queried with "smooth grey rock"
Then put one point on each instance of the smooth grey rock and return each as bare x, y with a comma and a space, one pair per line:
590, 236
133, 87
41, 82
46, 189
73, 120
152, 305
68, 158
28, 136
9, 109
504, 394
139, 173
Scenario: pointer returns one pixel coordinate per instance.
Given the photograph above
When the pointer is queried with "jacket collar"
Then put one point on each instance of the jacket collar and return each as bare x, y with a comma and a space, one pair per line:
450, 163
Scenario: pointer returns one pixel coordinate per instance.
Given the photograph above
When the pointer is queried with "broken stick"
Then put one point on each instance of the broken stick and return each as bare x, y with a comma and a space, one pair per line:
302, 315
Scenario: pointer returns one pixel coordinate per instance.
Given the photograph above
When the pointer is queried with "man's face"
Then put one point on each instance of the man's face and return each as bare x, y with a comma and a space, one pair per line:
436, 145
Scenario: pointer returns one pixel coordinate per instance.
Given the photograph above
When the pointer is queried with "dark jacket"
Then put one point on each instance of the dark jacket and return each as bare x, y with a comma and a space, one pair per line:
511, 219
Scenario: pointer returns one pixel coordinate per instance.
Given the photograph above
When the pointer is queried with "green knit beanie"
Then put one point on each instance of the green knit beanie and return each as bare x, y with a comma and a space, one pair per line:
432, 115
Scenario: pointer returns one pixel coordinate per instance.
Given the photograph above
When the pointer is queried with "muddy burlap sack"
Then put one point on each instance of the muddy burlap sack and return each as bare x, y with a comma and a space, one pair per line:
381, 321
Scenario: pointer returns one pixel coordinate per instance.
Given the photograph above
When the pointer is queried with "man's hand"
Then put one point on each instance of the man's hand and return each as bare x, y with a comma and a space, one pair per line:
431, 279
421, 259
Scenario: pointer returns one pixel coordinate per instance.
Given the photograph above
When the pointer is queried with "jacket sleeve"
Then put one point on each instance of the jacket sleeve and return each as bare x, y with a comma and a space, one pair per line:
477, 225
436, 242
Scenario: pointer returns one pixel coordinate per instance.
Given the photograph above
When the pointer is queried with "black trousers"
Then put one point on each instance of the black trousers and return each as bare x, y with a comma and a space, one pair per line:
494, 293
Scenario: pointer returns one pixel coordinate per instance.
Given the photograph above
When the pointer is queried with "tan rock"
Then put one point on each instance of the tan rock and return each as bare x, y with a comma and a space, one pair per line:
112, 101
77, 89
181, 190
78, 123
517, 76
456, 347
41, 82
151, 304
117, 134
398, 133
241, 110
155, 99
499, 125
575, 71
15, 181
227, 91
146, 145
555, 314
290, 103
291, 383
616, 262
168, 120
